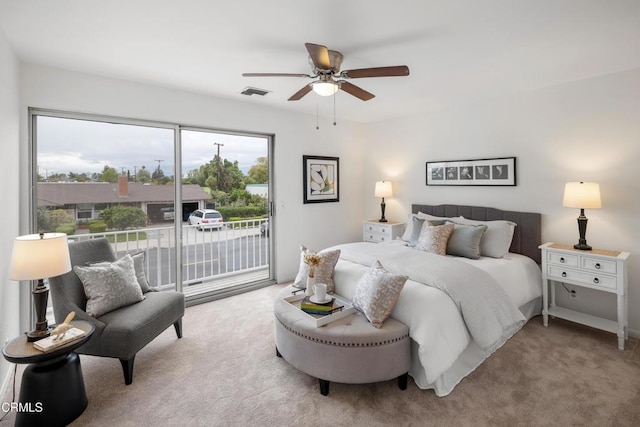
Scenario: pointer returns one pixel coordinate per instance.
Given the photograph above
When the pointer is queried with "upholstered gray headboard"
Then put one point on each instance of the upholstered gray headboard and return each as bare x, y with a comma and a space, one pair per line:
526, 237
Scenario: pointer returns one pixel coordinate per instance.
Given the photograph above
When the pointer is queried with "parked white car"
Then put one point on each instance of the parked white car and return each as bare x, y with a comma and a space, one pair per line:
206, 218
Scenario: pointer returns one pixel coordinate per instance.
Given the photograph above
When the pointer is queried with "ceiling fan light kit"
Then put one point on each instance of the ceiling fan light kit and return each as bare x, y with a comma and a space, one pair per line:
325, 88
326, 68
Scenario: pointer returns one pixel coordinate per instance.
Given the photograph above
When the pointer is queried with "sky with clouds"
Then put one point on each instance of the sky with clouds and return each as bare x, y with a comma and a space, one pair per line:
67, 145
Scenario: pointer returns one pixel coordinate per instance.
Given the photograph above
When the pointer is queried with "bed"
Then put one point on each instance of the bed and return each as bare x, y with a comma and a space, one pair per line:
459, 310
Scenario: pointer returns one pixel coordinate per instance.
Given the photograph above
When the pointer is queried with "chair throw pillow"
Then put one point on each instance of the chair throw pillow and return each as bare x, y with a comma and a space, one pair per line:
109, 286
138, 265
323, 273
377, 293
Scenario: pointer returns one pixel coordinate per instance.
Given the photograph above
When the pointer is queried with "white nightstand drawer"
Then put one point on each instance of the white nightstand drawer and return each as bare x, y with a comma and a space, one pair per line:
377, 228
377, 237
375, 231
600, 281
596, 264
562, 259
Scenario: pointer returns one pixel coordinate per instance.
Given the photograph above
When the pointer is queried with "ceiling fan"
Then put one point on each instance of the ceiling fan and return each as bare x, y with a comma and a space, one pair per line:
326, 69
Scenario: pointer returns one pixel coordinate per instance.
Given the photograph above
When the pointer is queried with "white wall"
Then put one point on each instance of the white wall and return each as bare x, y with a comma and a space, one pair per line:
582, 131
295, 135
9, 214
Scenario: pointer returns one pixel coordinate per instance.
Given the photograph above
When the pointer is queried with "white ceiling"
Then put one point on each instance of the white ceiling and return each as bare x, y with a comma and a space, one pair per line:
458, 51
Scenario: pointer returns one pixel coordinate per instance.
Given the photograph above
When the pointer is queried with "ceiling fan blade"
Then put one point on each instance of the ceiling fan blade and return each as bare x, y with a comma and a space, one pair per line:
319, 55
299, 94
275, 75
356, 91
396, 71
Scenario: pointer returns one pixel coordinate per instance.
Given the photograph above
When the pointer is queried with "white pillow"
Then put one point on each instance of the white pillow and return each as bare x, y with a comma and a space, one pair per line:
496, 240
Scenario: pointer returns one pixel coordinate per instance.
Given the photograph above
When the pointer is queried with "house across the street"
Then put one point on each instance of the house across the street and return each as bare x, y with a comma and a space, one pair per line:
85, 200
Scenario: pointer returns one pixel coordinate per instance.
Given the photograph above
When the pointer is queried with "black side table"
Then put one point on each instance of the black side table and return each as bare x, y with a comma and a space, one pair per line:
52, 388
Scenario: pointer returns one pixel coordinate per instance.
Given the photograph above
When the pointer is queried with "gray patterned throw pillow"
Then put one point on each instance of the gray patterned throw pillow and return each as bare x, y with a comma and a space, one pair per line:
138, 265
323, 273
109, 286
377, 293
434, 239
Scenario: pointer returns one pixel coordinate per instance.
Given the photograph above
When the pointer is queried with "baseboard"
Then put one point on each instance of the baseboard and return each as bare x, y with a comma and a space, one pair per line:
633, 333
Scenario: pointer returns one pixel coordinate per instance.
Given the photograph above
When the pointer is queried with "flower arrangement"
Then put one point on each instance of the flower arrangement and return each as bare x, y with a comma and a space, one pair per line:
313, 260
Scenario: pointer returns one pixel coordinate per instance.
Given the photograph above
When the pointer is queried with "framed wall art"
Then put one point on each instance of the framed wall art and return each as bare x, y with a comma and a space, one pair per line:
493, 172
321, 179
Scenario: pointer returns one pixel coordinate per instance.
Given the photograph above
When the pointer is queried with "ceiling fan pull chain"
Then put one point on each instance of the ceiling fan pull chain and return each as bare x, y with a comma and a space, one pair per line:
334, 108
317, 124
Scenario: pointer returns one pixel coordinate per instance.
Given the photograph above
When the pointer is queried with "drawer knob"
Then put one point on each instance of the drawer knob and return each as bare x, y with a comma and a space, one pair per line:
382, 238
562, 260
564, 274
597, 266
596, 280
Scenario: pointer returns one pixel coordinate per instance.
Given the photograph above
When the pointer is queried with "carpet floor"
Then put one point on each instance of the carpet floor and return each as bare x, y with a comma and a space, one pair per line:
224, 372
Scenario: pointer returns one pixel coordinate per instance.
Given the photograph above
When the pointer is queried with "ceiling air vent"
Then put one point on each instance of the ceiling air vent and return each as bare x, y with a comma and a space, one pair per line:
254, 91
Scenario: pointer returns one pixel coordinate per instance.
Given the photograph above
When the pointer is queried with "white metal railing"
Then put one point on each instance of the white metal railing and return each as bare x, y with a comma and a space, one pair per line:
236, 247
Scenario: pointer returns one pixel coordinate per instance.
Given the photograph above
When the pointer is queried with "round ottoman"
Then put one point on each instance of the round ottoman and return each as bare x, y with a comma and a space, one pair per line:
348, 350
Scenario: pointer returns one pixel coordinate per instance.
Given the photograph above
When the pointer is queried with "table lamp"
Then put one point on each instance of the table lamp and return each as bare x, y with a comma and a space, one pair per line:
582, 195
36, 257
383, 189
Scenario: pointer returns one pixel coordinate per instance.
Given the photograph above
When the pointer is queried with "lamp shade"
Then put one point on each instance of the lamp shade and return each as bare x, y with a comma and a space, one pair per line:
325, 88
383, 189
582, 195
37, 256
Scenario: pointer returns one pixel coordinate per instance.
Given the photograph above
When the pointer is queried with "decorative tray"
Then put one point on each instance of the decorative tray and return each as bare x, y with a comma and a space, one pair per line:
321, 319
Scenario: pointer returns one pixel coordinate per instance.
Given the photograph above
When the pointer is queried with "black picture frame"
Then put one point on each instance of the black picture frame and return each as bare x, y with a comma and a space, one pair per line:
320, 179
500, 171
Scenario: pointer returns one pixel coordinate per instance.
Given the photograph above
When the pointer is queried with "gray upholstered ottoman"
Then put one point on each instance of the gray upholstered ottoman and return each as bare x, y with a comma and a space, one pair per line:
349, 350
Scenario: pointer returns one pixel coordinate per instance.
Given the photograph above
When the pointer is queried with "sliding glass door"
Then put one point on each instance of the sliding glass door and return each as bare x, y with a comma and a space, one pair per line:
226, 241
194, 200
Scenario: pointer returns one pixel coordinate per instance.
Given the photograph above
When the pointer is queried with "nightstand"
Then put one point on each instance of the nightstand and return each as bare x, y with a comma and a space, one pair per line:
598, 269
376, 231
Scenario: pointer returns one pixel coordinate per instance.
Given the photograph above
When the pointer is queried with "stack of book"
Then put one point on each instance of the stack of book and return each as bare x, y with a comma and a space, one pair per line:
311, 307
51, 343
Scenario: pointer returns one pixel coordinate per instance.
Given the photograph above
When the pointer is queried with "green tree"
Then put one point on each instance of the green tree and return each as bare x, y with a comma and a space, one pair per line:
240, 198
123, 217
143, 176
108, 175
219, 176
259, 173
57, 177
78, 177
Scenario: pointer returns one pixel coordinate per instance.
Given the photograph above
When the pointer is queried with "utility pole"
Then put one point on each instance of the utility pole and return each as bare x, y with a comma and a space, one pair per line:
135, 173
218, 159
158, 173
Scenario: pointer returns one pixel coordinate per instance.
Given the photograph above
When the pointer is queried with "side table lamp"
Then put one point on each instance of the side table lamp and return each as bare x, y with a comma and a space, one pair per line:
383, 189
582, 195
36, 257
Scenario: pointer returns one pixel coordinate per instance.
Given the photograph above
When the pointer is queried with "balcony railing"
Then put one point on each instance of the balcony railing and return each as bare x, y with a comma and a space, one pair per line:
236, 247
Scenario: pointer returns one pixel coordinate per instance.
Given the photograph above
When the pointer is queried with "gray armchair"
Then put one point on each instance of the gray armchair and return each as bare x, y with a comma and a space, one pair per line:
123, 332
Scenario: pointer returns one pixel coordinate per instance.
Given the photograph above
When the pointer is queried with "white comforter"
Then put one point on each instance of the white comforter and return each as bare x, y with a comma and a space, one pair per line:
444, 351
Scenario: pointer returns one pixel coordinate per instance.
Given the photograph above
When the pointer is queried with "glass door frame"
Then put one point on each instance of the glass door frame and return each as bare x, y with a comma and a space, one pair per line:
33, 113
